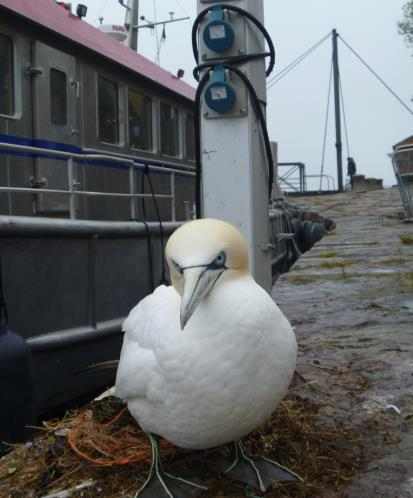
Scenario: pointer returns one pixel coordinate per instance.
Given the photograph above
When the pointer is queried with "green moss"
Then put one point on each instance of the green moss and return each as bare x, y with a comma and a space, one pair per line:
301, 279
406, 282
407, 239
328, 254
330, 265
391, 261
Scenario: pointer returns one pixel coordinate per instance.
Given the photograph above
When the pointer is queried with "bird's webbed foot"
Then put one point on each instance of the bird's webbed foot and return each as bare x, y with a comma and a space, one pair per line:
257, 472
160, 484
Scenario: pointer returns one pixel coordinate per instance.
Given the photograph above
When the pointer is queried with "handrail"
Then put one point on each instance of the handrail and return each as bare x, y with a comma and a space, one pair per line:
107, 160
299, 184
103, 158
32, 226
329, 179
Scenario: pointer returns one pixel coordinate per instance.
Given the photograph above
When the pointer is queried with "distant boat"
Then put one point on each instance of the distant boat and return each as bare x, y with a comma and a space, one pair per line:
402, 158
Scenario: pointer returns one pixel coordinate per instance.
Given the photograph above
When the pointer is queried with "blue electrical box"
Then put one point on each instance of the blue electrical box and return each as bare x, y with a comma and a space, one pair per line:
219, 35
219, 94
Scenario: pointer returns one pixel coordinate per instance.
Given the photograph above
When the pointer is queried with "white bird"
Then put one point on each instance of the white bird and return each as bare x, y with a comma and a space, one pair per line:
205, 361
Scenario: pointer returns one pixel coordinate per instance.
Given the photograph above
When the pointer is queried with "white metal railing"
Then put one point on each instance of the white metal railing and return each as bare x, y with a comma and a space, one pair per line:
331, 184
404, 181
295, 179
70, 157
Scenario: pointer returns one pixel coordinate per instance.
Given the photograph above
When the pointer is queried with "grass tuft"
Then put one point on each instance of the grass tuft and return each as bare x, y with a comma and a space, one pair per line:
331, 265
328, 254
406, 239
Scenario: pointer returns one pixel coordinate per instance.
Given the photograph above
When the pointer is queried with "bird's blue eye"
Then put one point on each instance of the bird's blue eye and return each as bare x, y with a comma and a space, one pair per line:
220, 260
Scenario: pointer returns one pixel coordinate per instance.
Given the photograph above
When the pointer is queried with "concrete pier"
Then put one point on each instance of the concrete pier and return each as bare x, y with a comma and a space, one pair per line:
350, 300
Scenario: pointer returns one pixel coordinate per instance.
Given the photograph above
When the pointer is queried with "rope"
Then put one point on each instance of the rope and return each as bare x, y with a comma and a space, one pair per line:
148, 237
344, 118
102, 10
182, 7
161, 230
359, 57
323, 155
281, 74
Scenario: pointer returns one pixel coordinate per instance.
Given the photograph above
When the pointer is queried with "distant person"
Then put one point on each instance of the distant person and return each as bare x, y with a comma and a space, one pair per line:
351, 169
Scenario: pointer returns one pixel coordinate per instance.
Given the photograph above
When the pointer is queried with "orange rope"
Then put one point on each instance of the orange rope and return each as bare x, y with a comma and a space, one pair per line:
116, 417
95, 443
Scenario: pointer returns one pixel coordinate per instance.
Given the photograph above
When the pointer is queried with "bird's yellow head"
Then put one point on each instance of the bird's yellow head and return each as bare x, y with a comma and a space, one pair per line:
198, 254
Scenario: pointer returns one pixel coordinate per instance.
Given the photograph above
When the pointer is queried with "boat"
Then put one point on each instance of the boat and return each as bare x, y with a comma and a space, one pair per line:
402, 158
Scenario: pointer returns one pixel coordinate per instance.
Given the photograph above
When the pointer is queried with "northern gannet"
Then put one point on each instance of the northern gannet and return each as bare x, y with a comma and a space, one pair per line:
205, 361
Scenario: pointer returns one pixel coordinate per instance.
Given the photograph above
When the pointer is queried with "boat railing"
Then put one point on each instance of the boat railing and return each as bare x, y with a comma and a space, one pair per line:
404, 176
108, 160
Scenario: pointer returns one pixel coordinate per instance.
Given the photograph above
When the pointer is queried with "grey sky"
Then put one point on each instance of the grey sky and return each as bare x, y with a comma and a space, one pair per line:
297, 105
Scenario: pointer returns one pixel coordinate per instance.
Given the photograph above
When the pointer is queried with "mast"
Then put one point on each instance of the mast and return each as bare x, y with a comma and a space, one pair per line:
132, 20
339, 144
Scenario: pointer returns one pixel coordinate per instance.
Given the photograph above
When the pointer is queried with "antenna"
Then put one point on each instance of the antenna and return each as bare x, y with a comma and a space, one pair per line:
132, 22
152, 25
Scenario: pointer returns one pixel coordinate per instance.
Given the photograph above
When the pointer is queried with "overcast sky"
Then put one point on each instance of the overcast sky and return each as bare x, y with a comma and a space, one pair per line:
297, 105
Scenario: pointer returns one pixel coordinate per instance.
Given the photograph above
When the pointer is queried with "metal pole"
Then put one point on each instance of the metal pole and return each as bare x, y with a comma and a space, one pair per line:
70, 178
133, 20
173, 197
133, 192
339, 145
231, 144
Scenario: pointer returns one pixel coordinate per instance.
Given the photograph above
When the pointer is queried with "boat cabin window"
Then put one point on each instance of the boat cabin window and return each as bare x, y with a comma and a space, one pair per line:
108, 110
169, 130
189, 136
6, 76
58, 97
140, 120
403, 161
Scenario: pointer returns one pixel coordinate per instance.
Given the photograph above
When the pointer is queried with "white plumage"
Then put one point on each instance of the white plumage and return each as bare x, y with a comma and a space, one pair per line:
222, 375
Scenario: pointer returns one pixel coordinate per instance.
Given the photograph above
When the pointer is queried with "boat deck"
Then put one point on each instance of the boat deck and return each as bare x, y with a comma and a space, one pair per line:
350, 300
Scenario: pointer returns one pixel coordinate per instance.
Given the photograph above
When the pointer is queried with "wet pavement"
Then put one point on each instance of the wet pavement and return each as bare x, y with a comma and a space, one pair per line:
350, 300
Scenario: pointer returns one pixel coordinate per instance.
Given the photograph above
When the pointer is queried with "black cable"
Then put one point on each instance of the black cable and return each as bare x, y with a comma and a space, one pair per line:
283, 72
229, 64
261, 118
148, 235
249, 16
344, 117
323, 154
235, 60
360, 58
198, 154
161, 230
4, 316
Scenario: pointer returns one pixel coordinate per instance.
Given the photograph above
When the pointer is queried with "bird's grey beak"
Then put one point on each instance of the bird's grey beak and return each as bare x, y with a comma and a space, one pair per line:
198, 283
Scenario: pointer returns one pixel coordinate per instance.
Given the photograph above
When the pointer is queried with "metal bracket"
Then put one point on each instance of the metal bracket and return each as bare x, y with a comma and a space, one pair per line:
285, 236
38, 183
34, 71
268, 247
76, 85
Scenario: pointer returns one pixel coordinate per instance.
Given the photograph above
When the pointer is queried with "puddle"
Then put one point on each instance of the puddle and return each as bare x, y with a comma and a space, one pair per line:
407, 305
